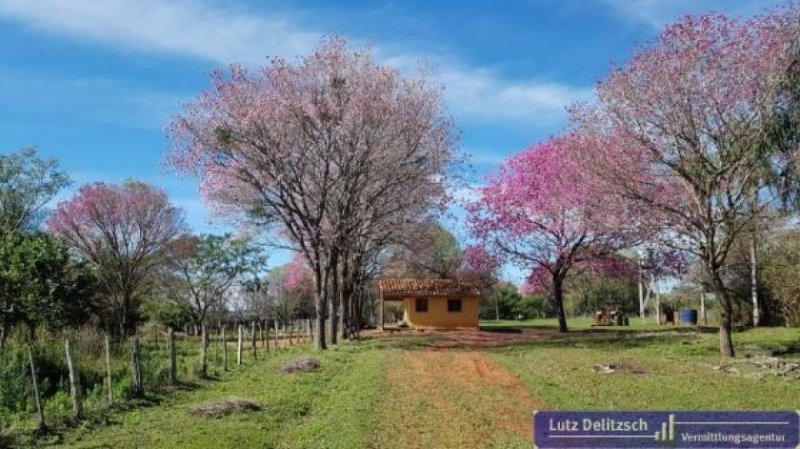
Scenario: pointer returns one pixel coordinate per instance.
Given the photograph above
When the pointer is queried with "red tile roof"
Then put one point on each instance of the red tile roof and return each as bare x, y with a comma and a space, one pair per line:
403, 288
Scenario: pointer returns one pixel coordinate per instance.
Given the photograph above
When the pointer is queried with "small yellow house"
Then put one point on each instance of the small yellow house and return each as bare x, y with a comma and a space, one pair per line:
432, 303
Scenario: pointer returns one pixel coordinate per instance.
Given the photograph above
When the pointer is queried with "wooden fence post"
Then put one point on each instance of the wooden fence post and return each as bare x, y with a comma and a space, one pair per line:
136, 366
36, 396
108, 372
253, 340
224, 349
204, 350
239, 348
173, 363
216, 347
74, 383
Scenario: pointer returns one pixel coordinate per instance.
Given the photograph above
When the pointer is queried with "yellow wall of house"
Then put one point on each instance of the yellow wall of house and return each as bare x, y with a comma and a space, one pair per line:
437, 314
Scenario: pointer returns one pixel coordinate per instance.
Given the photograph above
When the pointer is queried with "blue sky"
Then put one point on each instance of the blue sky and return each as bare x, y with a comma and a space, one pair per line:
93, 82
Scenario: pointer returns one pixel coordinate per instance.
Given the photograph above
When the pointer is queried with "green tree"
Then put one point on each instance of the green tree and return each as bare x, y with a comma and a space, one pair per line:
27, 183
530, 306
40, 285
208, 265
503, 303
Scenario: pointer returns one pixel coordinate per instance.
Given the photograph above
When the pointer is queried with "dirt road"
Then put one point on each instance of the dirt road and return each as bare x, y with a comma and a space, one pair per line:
453, 398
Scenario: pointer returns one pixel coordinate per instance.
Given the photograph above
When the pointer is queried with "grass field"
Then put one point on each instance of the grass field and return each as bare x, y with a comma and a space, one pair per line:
455, 390
663, 369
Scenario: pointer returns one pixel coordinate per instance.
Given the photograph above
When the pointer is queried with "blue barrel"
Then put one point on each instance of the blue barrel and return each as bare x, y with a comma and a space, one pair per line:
689, 317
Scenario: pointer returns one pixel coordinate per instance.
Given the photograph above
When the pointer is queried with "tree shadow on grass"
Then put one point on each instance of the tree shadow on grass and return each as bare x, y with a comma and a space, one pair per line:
408, 342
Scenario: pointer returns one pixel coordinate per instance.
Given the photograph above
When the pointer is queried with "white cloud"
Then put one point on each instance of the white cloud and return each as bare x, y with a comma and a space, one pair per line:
178, 26
658, 13
209, 31
482, 95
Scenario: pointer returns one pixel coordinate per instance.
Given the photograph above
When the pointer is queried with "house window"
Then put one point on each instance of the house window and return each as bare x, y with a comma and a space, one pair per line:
454, 305
422, 305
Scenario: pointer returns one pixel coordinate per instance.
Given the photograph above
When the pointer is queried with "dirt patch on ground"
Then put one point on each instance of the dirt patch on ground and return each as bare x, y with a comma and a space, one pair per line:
301, 365
453, 398
621, 367
224, 408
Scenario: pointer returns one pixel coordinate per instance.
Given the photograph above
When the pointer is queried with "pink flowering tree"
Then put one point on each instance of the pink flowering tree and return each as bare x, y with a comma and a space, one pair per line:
541, 211
124, 231
679, 131
299, 279
335, 151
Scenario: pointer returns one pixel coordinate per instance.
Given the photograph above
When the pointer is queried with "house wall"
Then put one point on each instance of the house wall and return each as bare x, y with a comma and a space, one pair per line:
438, 316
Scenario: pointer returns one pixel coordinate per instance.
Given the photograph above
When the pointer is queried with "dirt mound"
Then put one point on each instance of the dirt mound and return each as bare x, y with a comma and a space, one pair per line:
301, 365
225, 408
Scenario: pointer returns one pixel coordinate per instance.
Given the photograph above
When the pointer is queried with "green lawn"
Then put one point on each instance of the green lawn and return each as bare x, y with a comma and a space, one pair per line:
663, 369
350, 400
299, 410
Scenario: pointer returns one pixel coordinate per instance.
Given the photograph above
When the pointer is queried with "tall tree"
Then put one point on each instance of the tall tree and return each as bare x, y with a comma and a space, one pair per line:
300, 146
27, 183
123, 231
682, 127
540, 211
209, 264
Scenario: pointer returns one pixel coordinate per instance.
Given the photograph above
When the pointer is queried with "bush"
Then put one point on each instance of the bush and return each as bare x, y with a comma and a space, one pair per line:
14, 382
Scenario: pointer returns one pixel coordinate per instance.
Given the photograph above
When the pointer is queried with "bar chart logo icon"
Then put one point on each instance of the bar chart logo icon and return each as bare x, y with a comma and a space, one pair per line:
667, 432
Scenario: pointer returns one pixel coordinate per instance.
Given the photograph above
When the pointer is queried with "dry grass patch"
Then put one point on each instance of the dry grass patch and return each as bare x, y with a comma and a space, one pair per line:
301, 365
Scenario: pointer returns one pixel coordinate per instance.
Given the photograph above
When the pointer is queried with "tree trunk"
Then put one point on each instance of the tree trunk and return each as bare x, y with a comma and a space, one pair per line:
275, 334
239, 360
173, 364
641, 292
204, 351
253, 340
319, 334
754, 280
224, 350
122, 325
657, 289
558, 300
334, 315
725, 315
136, 366
74, 383
703, 307
109, 382
216, 346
